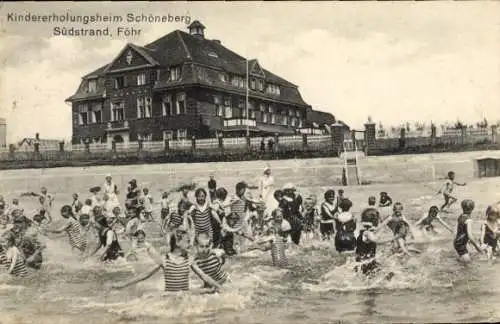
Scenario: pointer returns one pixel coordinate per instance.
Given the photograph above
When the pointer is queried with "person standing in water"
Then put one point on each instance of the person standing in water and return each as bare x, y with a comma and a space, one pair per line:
345, 225
201, 214
108, 240
425, 223
464, 232
447, 191
176, 265
72, 228
293, 211
490, 232
266, 190
328, 210
209, 260
212, 187
15, 258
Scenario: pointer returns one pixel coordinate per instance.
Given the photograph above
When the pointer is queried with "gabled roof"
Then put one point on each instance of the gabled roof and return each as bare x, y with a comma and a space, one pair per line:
254, 68
96, 73
138, 49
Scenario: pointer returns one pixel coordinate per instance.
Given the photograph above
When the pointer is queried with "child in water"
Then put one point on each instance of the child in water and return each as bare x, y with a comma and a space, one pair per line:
276, 239
15, 258
72, 228
209, 260
140, 247
400, 229
425, 223
328, 210
464, 232
176, 265
490, 232
108, 240
345, 224
447, 190
310, 216
385, 200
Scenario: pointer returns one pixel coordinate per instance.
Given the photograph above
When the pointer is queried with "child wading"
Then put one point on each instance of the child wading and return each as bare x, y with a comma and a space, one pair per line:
72, 227
447, 190
108, 240
345, 223
464, 230
490, 233
425, 223
176, 265
328, 210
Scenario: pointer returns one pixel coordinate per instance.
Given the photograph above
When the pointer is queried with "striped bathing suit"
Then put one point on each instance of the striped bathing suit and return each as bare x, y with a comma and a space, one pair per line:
75, 235
20, 269
238, 207
176, 220
278, 252
201, 216
176, 276
212, 267
4, 262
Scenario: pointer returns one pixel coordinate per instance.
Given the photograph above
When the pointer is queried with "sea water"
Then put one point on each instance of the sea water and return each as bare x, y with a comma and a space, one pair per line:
319, 286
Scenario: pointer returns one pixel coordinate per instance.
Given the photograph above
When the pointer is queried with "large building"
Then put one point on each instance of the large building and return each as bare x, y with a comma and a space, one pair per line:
179, 86
3, 133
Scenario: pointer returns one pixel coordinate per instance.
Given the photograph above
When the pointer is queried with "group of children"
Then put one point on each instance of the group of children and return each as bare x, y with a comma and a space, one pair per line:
217, 225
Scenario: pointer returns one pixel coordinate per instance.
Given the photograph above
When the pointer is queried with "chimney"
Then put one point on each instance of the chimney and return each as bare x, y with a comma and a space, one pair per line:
197, 29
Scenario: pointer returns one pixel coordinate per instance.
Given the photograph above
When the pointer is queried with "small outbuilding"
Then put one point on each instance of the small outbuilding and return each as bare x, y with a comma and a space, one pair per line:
487, 166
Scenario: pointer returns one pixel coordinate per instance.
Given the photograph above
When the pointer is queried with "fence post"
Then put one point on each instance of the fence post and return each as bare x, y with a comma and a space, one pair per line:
141, 144
166, 145
494, 133
463, 131
433, 135
87, 147
113, 146
276, 142
304, 141
193, 143
61, 146
220, 138
249, 143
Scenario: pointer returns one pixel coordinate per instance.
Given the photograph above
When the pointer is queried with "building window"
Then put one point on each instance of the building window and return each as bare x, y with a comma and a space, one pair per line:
158, 75
265, 117
273, 89
219, 111
96, 113
262, 107
175, 74
252, 84
166, 105
92, 86
260, 84
120, 82
144, 107
297, 113
300, 123
238, 81
291, 112
224, 77
284, 120
141, 79
146, 137
117, 111
83, 114
293, 121
168, 135
273, 118
228, 112
181, 104
241, 103
181, 134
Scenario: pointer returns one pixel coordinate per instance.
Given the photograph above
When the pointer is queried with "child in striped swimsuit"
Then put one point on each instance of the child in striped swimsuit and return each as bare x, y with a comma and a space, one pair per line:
328, 210
72, 228
276, 239
210, 261
201, 214
15, 259
176, 266
490, 232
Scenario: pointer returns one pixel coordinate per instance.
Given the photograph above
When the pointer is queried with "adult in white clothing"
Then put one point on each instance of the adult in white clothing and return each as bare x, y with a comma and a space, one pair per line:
266, 190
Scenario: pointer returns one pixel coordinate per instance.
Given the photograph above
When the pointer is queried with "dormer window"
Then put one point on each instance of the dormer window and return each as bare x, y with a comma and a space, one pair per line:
224, 77
252, 84
273, 89
175, 73
141, 79
260, 85
92, 86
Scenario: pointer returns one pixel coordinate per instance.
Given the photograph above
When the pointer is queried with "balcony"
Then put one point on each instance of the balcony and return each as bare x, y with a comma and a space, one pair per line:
235, 122
119, 125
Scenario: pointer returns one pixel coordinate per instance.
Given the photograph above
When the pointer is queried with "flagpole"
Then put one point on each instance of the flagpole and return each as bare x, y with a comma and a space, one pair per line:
246, 99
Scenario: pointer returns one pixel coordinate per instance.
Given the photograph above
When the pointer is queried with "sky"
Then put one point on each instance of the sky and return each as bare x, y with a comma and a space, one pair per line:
393, 61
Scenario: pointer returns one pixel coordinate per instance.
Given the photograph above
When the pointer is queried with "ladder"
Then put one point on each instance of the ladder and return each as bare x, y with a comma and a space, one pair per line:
349, 163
